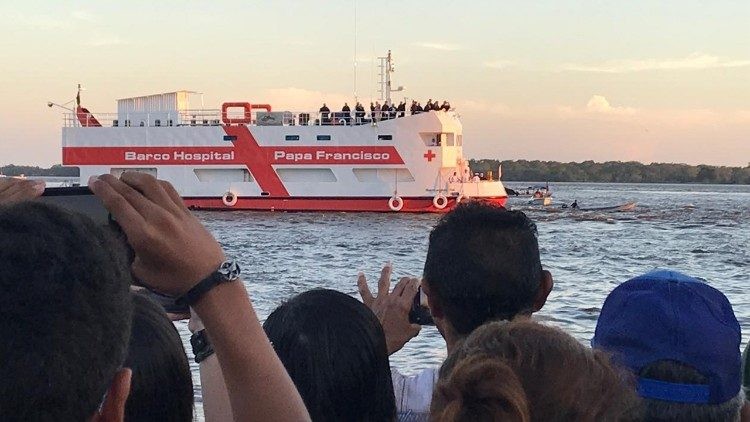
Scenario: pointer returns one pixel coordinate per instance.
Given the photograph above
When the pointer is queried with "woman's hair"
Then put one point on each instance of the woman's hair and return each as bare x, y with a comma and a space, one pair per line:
162, 387
334, 349
523, 371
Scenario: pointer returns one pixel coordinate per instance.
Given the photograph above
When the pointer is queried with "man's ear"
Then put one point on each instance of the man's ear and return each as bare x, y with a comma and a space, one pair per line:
545, 287
436, 308
113, 408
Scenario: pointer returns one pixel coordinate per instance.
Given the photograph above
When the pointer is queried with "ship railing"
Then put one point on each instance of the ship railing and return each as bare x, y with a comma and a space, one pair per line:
212, 117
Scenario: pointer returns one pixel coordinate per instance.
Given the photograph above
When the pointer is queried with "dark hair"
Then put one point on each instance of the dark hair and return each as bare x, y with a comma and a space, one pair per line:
65, 310
483, 264
334, 349
524, 371
162, 386
677, 372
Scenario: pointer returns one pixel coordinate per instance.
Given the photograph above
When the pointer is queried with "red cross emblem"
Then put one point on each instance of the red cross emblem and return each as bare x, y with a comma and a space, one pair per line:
429, 155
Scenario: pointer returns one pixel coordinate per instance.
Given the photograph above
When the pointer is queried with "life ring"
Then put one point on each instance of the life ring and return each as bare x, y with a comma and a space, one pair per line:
440, 201
229, 199
395, 203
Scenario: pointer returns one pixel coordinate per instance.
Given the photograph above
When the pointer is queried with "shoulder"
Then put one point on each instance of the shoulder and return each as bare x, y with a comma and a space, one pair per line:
414, 392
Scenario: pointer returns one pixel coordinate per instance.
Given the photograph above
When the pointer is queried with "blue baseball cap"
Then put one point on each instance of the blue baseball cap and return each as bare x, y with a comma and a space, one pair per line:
666, 315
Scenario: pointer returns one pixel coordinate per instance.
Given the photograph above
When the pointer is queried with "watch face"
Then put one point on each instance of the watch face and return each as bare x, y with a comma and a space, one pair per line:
230, 270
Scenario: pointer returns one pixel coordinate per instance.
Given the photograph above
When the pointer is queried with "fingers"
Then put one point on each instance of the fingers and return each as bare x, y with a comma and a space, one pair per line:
405, 291
384, 283
126, 215
151, 189
173, 195
14, 190
364, 289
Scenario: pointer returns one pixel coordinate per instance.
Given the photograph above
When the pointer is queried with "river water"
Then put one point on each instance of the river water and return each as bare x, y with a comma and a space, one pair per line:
701, 230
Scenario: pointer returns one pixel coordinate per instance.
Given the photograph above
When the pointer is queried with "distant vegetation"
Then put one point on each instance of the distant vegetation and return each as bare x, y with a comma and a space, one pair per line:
54, 171
541, 171
613, 172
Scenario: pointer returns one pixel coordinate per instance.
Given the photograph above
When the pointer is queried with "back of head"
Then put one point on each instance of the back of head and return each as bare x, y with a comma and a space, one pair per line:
334, 349
65, 312
483, 264
524, 371
162, 387
680, 337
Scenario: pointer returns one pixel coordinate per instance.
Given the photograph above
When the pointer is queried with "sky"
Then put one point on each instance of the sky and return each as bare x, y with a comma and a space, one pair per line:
650, 81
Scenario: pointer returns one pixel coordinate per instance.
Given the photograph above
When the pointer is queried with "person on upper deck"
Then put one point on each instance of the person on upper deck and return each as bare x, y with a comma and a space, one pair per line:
392, 110
359, 112
401, 109
428, 106
413, 107
446, 106
418, 109
325, 113
385, 111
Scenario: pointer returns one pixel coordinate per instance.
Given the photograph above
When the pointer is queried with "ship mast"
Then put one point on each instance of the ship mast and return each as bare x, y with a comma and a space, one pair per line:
386, 68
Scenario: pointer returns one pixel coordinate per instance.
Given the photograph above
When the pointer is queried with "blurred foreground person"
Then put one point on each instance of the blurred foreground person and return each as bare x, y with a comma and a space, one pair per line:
482, 265
681, 340
523, 371
176, 255
334, 349
65, 309
162, 386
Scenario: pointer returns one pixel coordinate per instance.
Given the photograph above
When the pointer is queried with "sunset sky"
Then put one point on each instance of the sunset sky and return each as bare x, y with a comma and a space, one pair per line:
664, 81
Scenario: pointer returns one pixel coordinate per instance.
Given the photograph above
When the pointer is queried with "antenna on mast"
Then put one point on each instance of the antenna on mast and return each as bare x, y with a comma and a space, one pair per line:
355, 51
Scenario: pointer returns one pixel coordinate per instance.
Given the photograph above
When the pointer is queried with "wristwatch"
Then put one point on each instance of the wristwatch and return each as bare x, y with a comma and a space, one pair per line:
227, 271
202, 348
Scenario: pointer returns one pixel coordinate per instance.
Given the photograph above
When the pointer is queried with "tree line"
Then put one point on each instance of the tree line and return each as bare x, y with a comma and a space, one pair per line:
612, 172
550, 171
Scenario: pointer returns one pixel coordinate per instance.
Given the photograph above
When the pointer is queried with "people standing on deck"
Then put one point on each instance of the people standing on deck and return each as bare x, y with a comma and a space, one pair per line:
384, 111
373, 113
347, 113
413, 108
428, 106
324, 114
359, 112
446, 106
392, 111
401, 109
418, 109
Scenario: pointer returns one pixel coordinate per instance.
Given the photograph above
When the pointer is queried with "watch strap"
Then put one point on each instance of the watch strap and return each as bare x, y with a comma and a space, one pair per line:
227, 271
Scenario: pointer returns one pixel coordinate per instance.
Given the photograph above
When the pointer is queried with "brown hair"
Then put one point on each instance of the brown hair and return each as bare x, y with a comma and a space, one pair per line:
523, 371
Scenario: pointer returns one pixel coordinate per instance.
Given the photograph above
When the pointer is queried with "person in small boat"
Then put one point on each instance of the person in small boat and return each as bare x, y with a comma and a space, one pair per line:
538, 194
574, 204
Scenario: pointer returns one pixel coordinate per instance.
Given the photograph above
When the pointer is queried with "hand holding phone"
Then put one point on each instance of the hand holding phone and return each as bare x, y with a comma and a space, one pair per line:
420, 311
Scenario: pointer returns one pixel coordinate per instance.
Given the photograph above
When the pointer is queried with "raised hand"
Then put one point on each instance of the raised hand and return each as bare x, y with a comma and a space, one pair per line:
392, 309
16, 190
173, 251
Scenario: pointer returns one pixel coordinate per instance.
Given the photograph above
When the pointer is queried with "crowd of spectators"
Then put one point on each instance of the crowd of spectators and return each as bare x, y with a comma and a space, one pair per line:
378, 112
80, 343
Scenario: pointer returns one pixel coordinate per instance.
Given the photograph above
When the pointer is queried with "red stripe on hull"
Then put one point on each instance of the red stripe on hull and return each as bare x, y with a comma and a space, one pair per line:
411, 205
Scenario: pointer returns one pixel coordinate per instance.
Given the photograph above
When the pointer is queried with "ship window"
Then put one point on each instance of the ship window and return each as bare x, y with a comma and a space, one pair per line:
379, 175
306, 175
223, 175
385, 137
324, 137
449, 139
459, 140
291, 138
118, 171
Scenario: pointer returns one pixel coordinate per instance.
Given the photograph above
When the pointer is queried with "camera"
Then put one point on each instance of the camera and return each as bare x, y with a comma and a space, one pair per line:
420, 312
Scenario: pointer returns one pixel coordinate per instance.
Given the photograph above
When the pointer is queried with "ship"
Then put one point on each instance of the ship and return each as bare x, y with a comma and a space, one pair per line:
251, 156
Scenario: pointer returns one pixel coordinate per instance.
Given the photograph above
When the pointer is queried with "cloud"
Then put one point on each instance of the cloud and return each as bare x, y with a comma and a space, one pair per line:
695, 61
599, 104
439, 46
499, 64
42, 22
105, 41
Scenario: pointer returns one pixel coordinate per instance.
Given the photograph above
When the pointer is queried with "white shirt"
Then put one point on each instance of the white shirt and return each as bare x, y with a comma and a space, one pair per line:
414, 393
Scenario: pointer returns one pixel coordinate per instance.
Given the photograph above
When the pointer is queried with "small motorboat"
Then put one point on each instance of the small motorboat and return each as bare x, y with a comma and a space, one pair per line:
628, 206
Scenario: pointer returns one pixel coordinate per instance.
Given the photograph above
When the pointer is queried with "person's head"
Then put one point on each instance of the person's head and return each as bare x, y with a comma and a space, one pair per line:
482, 265
334, 349
525, 371
681, 340
65, 309
161, 387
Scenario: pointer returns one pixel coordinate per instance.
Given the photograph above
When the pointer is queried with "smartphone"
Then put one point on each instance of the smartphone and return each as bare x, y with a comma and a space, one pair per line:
420, 312
79, 199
